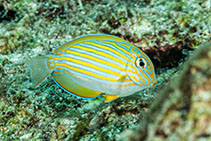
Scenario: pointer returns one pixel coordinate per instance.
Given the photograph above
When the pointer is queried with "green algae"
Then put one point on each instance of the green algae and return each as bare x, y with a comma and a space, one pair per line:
47, 112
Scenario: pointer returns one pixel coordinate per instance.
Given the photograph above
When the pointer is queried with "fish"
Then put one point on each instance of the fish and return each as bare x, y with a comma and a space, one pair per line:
95, 65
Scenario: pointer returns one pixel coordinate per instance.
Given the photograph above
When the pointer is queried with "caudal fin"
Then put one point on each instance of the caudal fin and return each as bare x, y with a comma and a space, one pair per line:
38, 68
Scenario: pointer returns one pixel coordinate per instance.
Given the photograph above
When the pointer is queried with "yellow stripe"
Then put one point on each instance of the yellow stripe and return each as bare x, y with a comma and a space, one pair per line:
126, 85
128, 47
108, 56
99, 68
92, 74
138, 55
114, 51
88, 65
135, 48
126, 80
120, 48
134, 57
102, 61
59, 69
108, 48
50, 67
105, 62
97, 60
139, 76
126, 53
149, 75
58, 72
86, 38
104, 54
86, 72
142, 72
98, 53
60, 53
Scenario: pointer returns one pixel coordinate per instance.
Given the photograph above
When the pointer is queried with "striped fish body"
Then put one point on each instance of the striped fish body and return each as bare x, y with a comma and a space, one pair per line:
94, 65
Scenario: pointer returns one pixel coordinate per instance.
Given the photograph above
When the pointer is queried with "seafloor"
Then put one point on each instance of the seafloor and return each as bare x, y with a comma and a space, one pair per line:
168, 31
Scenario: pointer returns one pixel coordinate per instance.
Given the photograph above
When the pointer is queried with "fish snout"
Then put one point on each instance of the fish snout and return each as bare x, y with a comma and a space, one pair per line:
152, 83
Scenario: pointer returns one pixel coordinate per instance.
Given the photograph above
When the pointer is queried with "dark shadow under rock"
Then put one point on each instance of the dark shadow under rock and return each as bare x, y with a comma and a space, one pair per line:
7, 14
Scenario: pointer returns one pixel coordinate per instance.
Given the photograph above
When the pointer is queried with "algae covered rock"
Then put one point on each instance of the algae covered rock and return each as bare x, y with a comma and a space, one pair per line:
167, 31
182, 110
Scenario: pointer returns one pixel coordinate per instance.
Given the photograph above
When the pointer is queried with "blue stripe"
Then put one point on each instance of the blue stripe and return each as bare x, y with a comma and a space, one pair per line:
91, 62
46, 65
96, 56
150, 71
76, 73
90, 77
83, 67
142, 54
112, 46
142, 76
55, 70
136, 48
115, 48
101, 57
148, 76
85, 36
87, 45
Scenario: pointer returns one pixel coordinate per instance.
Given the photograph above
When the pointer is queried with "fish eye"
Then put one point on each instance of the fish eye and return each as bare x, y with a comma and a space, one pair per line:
141, 63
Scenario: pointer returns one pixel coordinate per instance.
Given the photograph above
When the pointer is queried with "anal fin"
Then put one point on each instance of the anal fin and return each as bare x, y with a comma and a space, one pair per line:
109, 98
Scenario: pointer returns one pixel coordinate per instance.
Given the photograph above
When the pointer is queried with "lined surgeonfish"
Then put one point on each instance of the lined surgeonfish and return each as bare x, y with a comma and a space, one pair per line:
94, 65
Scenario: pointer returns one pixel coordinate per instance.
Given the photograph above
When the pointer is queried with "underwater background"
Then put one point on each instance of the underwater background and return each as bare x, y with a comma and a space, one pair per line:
174, 34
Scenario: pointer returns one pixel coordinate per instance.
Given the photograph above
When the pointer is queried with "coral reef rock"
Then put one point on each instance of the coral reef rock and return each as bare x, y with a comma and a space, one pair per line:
182, 109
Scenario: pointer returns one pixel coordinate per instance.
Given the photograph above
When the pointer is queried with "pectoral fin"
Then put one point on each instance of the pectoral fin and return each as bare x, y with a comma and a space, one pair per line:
109, 98
122, 78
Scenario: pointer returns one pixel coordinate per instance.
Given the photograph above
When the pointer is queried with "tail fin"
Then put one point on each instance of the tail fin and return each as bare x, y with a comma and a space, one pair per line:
38, 68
